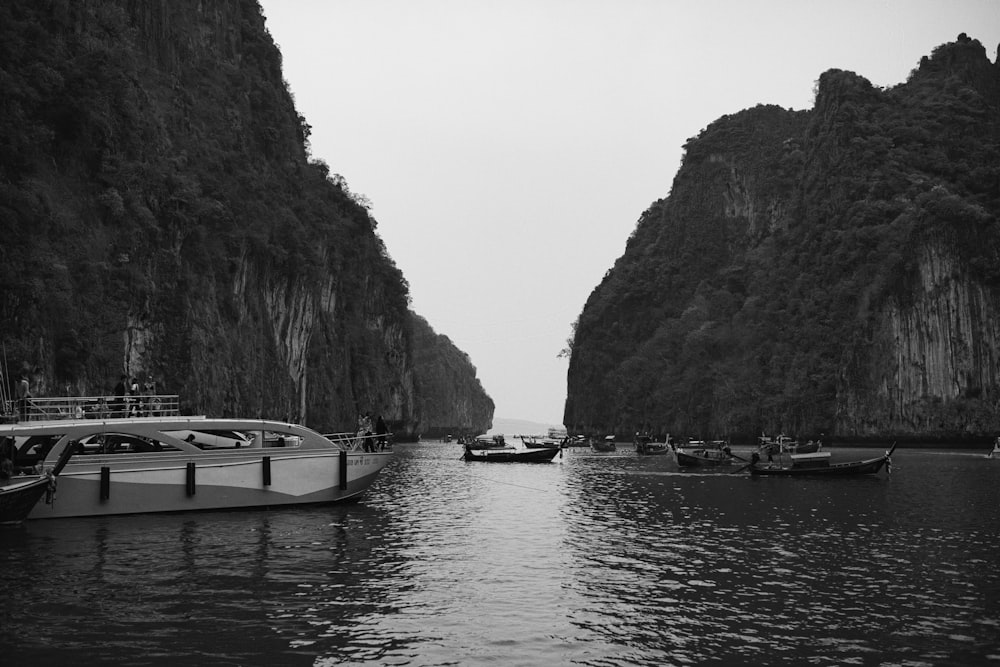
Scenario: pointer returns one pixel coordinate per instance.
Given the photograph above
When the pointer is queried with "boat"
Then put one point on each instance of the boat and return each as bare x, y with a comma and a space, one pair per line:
512, 454
817, 464
483, 442
19, 495
534, 441
131, 465
698, 453
644, 444
605, 445
995, 452
558, 434
783, 444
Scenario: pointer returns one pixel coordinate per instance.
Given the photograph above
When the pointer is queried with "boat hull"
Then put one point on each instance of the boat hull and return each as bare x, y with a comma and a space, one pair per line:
539, 455
650, 448
247, 479
17, 498
694, 460
867, 467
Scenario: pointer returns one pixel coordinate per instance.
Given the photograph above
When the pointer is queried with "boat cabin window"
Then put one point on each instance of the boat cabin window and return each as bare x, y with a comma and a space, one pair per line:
213, 438
274, 439
120, 443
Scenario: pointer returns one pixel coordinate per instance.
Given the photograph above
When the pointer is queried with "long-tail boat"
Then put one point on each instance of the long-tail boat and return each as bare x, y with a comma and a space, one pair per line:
818, 465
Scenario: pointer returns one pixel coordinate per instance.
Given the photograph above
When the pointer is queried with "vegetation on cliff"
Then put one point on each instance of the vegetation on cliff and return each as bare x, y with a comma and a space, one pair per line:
760, 294
451, 399
161, 215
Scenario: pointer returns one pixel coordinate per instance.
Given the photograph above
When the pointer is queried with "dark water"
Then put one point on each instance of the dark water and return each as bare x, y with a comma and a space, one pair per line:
598, 559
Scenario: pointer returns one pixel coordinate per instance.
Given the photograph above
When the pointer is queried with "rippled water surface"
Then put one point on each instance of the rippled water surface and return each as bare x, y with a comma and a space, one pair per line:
596, 559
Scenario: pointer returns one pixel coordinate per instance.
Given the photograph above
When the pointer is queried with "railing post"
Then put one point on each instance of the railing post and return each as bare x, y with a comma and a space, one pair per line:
343, 469
105, 482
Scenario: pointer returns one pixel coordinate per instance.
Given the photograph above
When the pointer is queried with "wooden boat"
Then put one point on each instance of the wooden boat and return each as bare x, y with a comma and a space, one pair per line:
699, 453
19, 495
512, 454
818, 464
786, 445
644, 445
482, 442
153, 464
534, 442
605, 445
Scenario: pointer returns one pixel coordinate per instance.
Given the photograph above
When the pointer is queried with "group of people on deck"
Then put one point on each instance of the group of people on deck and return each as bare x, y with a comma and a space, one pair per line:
366, 431
130, 401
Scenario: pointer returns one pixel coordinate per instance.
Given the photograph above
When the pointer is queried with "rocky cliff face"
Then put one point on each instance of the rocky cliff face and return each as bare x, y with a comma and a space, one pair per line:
936, 358
161, 217
831, 270
458, 405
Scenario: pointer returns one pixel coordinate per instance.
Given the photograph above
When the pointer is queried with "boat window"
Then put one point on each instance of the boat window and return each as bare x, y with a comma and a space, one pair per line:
212, 439
281, 440
120, 443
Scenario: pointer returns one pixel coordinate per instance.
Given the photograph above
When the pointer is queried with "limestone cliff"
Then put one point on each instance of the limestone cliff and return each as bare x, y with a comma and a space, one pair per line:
458, 405
831, 270
161, 216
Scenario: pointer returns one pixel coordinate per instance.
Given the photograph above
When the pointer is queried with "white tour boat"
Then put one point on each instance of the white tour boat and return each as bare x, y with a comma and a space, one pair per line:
173, 463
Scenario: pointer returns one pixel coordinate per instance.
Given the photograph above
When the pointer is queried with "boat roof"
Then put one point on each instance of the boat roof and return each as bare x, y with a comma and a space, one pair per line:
145, 425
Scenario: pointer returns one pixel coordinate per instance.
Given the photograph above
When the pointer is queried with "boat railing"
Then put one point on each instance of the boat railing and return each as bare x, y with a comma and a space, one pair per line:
48, 408
361, 442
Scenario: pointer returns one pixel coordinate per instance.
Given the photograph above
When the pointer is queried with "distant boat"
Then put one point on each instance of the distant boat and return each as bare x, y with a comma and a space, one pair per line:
783, 444
483, 442
818, 464
698, 453
533, 441
512, 454
644, 445
995, 452
605, 445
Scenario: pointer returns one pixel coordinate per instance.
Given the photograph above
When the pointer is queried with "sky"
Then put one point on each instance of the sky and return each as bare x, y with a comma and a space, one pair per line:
509, 147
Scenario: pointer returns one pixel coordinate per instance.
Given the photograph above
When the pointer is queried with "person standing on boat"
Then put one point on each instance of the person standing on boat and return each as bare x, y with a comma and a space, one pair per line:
133, 401
23, 394
381, 431
151, 402
118, 405
365, 430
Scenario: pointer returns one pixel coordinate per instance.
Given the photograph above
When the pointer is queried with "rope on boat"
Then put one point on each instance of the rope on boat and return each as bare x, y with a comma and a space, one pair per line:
520, 486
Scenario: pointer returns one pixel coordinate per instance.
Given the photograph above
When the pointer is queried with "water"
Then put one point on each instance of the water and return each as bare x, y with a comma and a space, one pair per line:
597, 559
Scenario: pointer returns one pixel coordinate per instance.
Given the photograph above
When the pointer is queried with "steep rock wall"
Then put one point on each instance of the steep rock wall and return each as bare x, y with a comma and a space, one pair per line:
161, 217
942, 345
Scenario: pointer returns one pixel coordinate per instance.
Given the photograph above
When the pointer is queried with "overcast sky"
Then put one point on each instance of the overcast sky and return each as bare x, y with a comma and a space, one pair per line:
509, 146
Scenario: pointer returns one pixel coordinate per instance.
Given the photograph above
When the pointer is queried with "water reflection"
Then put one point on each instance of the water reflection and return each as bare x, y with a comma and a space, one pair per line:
597, 560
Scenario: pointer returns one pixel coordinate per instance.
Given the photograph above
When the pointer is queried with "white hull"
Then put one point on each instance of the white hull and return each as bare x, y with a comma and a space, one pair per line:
158, 486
